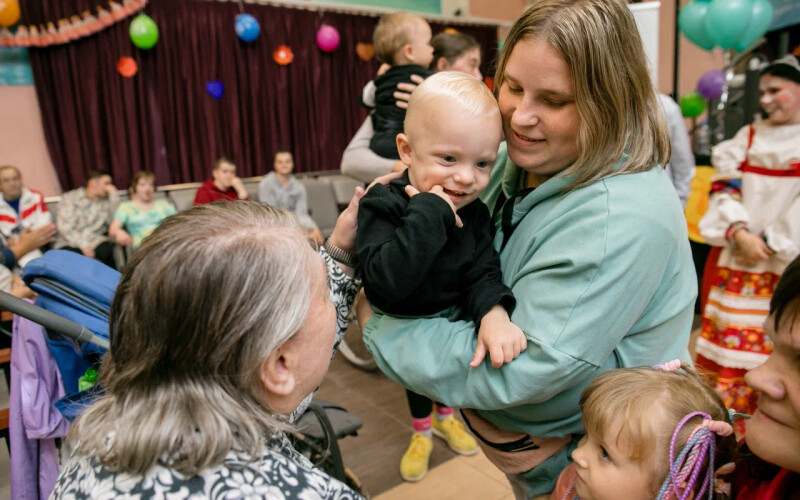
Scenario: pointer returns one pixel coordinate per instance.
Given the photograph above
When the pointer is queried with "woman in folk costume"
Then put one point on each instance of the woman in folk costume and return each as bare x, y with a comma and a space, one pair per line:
754, 214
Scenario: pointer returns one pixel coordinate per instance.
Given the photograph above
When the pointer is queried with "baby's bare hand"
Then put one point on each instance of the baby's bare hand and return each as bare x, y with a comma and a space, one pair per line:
438, 191
502, 339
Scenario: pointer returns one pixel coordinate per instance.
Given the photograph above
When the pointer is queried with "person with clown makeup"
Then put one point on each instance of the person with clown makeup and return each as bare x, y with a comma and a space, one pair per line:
754, 215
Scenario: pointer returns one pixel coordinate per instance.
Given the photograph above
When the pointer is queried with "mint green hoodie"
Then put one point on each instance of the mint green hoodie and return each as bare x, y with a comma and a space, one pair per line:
603, 278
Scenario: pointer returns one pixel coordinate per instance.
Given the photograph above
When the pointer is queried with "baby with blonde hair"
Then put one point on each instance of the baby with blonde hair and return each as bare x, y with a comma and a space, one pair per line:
403, 41
650, 433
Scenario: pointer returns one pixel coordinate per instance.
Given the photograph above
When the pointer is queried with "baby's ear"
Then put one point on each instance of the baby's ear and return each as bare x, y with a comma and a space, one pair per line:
404, 149
408, 52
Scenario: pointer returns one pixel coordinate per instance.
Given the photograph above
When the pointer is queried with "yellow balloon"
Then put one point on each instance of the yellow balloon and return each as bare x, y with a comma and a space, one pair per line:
9, 13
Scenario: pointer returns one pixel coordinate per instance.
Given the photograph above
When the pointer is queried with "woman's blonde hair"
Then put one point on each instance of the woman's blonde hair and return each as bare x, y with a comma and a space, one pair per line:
648, 404
200, 306
620, 115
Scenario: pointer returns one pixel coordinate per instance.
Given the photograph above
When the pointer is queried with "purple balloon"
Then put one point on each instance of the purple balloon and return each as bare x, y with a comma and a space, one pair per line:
327, 38
711, 84
215, 89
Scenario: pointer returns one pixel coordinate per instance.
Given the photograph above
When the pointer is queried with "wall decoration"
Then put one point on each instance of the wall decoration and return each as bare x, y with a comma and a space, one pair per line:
9, 13
127, 67
366, 51
327, 38
144, 32
66, 30
283, 55
215, 89
247, 28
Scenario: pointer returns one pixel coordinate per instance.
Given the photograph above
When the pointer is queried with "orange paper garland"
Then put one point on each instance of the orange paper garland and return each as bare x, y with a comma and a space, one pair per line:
74, 28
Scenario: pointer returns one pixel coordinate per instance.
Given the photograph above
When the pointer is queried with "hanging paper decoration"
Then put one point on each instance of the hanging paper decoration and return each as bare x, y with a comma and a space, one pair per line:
711, 84
365, 51
144, 32
215, 89
500, 44
9, 13
247, 28
67, 29
283, 55
692, 105
127, 66
327, 38
451, 31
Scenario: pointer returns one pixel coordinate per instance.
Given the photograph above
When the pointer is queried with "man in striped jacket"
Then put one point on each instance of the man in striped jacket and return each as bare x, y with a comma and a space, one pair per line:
20, 209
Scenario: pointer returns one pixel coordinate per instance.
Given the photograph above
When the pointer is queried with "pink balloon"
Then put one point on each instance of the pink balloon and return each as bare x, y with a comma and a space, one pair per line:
327, 38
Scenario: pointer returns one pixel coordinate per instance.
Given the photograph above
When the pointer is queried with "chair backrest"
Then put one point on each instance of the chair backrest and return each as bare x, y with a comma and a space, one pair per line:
343, 189
321, 203
252, 188
182, 198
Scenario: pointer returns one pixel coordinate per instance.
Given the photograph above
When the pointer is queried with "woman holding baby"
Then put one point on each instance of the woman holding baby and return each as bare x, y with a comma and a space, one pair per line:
591, 237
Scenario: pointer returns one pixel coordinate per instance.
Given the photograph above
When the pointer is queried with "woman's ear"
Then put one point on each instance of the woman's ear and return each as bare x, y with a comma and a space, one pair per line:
278, 380
404, 149
442, 64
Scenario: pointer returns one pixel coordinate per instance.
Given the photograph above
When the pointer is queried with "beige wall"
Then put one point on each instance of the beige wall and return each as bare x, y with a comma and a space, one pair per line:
504, 10
693, 60
22, 138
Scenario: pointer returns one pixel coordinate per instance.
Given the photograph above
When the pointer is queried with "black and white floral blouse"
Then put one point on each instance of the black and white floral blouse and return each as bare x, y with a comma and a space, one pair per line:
279, 472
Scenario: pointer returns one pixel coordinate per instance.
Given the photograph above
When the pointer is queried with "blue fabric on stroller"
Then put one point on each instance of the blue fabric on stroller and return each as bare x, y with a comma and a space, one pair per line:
80, 289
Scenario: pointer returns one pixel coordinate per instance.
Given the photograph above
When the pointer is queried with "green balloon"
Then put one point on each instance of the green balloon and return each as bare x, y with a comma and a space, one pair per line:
692, 105
144, 32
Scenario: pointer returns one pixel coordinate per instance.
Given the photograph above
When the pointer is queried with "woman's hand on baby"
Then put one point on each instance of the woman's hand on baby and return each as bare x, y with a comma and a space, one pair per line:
438, 191
344, 233
498, 336
404, 90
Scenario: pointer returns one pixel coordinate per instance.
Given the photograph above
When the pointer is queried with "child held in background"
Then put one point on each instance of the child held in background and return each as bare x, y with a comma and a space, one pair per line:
424, 241
650, 433
403, 41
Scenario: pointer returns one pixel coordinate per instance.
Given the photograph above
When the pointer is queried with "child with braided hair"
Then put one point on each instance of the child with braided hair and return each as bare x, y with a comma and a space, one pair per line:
650, 433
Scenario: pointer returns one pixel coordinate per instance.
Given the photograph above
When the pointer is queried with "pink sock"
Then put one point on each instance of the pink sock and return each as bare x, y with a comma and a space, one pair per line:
423, 426
442, 412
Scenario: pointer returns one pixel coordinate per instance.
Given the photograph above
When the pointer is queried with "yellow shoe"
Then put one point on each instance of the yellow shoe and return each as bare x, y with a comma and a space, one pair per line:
452, 431
414, 464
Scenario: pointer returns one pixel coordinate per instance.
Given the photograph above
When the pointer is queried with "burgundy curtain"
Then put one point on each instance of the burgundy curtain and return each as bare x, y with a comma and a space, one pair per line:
163, 119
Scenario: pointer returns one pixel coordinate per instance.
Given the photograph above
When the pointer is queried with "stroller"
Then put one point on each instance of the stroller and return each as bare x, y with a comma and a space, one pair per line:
73, 304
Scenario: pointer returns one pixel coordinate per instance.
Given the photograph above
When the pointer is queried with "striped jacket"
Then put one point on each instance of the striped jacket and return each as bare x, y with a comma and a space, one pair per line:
32, 212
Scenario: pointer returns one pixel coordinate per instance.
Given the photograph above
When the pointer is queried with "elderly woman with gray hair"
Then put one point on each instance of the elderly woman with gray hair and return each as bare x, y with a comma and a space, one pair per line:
222, 327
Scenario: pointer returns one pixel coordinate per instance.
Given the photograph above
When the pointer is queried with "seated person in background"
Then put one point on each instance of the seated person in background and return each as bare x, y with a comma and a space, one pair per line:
11, 250
141, 215
223, 185
21, 208
281, 190
84, 216
403, 41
